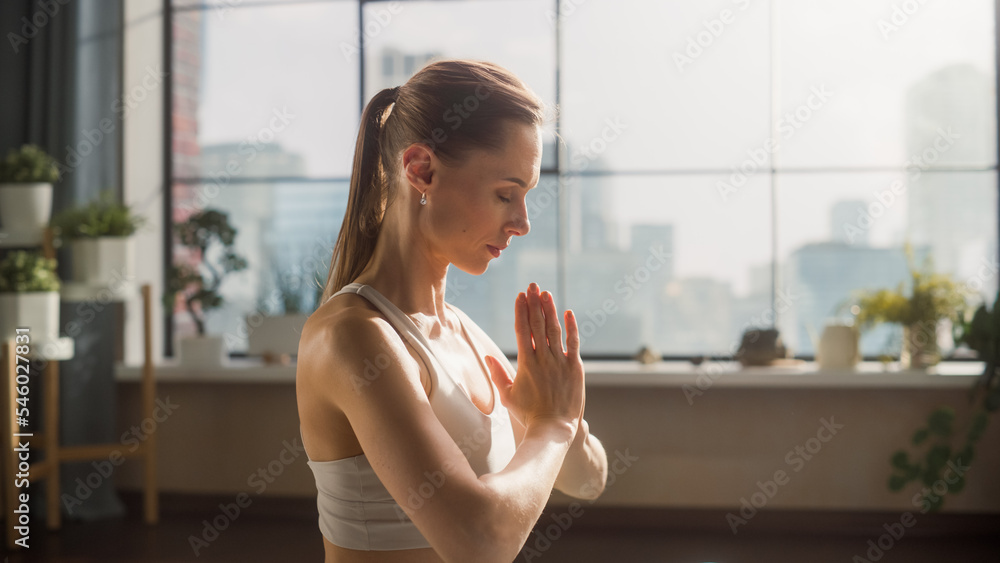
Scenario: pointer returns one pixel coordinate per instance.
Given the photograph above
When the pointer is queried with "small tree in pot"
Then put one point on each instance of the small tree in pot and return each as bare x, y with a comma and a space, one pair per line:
29, 296
26, 178
933, 298
207, 233
100, 239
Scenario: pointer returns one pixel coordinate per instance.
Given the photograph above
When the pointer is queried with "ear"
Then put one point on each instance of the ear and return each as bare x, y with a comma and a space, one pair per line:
419, 166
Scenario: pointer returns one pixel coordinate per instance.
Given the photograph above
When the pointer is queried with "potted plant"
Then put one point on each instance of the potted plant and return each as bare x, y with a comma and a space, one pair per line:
210, 237
29, 296
933, 298
26, 178
100, 235
275, 327
935, 445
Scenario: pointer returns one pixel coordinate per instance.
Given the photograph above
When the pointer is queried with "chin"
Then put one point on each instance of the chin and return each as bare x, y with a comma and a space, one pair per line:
474, 268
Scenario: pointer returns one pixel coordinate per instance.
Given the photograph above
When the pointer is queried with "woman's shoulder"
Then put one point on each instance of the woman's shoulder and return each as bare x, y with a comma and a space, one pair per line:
342, 332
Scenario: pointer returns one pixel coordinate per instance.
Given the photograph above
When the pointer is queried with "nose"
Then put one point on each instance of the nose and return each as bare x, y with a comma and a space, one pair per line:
520, 226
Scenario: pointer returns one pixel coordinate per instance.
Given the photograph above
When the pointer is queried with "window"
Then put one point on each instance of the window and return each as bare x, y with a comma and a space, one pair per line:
725, 165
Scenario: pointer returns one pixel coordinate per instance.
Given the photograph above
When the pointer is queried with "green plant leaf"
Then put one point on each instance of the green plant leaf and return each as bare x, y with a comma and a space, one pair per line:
957, 486
920, 436
929, 477
900, 460
29, 164
897, 482
937, 458
940, 421
965, 455
24, 271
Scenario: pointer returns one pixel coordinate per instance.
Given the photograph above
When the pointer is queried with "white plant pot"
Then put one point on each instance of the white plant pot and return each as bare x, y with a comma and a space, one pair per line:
37, 311
25, 207
202, 351
277, 335
103, 261
838, 348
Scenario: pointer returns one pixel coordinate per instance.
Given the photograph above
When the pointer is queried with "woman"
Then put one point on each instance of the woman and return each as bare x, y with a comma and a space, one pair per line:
424, 445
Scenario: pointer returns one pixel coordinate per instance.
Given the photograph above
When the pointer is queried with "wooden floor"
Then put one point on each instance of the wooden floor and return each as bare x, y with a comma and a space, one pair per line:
286, 530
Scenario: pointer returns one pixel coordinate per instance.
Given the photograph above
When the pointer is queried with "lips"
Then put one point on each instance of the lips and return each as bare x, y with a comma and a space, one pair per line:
494, 250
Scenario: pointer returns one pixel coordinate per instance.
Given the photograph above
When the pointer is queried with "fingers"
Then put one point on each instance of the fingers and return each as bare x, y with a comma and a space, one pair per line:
552, 329
572, 335
500, 377
536, 320
521, 328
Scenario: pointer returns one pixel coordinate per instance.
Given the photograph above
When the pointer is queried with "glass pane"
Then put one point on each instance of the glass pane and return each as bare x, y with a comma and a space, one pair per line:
284, 103
894, 78
845, 231
663, 261
222, 8
489, 298
686, 89
286, 231
401, 37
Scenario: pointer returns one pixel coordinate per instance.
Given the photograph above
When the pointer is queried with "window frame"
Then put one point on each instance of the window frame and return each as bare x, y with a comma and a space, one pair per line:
561, 170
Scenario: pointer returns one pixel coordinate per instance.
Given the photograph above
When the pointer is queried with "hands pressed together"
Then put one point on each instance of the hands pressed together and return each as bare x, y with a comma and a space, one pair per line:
549, 385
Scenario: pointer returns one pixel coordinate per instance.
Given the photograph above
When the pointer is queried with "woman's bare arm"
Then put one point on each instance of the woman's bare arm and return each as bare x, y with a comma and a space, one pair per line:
464, 517
585, 469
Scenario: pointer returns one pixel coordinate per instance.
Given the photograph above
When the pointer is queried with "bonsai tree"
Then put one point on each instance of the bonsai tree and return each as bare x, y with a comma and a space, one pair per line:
28, 164
933, 297
936, 439
104, 217
24, 271
202, 232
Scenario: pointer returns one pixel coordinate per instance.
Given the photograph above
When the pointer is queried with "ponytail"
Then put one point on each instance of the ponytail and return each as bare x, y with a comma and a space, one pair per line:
367, 200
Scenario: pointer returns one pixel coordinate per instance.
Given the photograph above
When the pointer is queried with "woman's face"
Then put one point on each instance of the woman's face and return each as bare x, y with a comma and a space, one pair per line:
481, 203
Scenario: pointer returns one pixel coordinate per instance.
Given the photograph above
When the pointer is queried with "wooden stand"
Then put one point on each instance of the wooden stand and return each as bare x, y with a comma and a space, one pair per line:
48, 439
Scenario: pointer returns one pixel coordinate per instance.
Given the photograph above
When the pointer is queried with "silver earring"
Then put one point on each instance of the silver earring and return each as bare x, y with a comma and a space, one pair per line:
423, 199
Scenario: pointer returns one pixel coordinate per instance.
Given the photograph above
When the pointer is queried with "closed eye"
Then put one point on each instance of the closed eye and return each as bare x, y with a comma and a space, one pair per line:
503, 199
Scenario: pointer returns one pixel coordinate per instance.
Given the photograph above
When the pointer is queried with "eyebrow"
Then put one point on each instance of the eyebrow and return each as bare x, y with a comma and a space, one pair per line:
517, 181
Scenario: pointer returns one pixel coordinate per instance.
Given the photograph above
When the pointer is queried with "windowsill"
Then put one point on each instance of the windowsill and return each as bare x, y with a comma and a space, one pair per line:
632, 374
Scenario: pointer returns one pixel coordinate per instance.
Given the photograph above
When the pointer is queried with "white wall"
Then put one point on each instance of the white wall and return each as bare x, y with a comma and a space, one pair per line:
142, 98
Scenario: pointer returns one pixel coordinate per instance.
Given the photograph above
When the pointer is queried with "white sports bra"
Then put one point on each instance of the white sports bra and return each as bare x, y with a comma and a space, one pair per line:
355, 509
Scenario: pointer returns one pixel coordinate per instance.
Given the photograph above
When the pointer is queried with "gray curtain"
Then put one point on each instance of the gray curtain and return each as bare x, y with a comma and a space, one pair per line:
60, 76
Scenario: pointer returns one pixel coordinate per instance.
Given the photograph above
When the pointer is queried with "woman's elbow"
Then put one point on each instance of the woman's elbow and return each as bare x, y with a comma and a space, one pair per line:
485, 536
